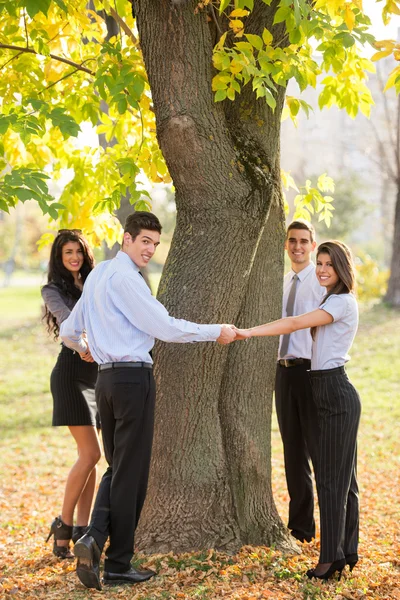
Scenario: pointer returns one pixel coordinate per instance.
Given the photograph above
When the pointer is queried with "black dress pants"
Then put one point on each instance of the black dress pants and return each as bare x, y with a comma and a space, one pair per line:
125, 399
339, 410
298, 424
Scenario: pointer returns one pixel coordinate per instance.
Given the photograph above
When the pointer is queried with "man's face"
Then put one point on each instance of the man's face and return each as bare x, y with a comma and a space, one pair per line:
142, 248
299, 247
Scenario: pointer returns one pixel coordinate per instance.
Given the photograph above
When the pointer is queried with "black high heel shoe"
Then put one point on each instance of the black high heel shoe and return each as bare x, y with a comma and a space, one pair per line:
78, 531
337, 565
61, 531
351, 560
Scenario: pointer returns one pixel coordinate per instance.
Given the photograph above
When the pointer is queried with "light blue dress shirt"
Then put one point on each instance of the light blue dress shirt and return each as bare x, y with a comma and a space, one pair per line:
121, 317
309, 294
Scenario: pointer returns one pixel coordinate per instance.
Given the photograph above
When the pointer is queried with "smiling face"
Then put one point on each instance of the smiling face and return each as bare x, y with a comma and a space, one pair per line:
72, 256
299, 247
141, 249
326, 274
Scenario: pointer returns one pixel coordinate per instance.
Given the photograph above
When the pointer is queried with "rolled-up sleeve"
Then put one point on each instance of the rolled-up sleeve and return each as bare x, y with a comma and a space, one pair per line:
71, 329
144, 311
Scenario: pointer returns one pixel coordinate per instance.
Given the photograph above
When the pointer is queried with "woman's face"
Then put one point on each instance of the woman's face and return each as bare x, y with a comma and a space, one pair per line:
72, 256
326, 274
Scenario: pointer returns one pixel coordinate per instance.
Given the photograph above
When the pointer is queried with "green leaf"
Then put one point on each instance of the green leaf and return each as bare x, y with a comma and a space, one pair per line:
295, 36
220, 95
4, 206
281, 14
224, 4
35, 6
270, 99
267, 37
24, 194
62, 5
122, 106
254, 40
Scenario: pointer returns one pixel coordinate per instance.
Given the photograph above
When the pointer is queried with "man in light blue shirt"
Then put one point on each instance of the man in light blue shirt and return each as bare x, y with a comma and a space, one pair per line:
295, 408
121, 319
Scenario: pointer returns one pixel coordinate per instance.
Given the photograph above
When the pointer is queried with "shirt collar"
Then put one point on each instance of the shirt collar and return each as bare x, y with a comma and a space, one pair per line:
125, 258
304, 272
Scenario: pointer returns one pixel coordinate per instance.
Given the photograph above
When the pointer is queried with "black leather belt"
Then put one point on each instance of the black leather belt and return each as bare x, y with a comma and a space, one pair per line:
293, 362
119, 365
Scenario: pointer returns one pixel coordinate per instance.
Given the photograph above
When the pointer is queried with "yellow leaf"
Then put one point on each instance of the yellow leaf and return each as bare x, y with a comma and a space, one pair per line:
236, 25
392, 78
349, 17
385, 44
239, 12
381, 54
396, 54
267, 37
236, 66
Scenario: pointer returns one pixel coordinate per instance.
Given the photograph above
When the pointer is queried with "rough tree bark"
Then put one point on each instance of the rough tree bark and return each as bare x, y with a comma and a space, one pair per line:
210, 477
393, 292
388, 141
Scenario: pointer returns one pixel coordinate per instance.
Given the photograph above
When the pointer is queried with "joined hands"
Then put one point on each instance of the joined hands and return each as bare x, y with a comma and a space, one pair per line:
230, 333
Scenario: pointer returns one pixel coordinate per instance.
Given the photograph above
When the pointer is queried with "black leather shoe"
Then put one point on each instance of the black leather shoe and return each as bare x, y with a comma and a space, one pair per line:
78, 531
88, 554
131, 576
301, 537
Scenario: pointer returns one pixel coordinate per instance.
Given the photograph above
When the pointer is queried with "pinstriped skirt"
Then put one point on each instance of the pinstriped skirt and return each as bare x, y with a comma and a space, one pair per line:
72, 384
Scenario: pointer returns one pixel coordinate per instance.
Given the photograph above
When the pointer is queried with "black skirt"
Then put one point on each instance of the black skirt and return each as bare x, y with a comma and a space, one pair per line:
72, 384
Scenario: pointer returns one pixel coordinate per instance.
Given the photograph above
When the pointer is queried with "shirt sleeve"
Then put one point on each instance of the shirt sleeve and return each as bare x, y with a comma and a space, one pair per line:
55, 303
71, 329
133, 298
336, 306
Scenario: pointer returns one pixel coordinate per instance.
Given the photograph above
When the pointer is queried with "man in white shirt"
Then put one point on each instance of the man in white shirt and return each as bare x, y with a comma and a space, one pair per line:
121, 319
296, 411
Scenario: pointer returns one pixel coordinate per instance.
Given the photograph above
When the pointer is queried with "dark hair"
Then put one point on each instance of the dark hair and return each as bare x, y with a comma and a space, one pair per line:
342, 262
63, 278
141, 220
302, 224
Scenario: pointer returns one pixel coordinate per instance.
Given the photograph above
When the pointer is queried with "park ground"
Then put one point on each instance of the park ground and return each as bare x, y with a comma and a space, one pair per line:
35, 459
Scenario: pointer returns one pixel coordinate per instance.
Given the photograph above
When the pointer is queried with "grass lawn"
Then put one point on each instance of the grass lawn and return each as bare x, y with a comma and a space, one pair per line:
35, 459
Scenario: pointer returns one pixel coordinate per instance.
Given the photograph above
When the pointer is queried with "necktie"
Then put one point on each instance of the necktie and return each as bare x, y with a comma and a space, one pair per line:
289, 312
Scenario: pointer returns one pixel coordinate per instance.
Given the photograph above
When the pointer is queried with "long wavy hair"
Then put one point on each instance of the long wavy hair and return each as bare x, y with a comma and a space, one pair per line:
61, 277
342, 262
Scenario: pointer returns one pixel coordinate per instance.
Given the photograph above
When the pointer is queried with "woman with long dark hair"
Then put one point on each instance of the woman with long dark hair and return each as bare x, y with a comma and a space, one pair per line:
72, 385
333, 328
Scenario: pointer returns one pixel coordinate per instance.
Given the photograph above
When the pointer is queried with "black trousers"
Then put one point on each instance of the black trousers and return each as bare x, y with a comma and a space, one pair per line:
298, 424
339, 410
125, 399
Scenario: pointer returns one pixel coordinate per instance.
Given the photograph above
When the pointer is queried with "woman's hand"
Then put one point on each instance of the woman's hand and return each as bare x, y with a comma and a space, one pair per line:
86, 356
242, 334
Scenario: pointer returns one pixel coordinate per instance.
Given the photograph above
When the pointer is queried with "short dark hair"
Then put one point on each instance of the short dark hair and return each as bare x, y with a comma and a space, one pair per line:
141, 220
302, 224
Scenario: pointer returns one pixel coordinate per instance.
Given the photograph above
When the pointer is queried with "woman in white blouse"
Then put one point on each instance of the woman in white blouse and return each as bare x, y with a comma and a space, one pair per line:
333, 328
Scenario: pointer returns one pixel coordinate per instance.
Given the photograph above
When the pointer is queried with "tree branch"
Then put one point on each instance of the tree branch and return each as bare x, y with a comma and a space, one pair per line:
26, 31
123, 25
71, 63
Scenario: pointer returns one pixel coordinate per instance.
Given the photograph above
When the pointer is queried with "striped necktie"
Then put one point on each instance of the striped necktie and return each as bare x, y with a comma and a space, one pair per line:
289, 313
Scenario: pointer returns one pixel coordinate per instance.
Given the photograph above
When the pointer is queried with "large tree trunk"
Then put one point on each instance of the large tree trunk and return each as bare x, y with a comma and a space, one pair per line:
393, 292
210, 477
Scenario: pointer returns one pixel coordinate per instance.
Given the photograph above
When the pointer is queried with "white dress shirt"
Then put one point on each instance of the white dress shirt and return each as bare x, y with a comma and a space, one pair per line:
121, 317
309, 294
333, 341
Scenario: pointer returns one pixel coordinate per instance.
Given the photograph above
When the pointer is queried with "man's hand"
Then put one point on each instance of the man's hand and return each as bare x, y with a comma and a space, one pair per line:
227, 334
